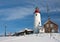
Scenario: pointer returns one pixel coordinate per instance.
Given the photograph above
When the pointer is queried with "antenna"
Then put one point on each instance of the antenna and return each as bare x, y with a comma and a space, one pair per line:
48, 11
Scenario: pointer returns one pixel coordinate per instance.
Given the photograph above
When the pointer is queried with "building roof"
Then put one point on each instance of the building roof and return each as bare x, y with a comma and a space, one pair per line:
49, 21
25, 29
28, 29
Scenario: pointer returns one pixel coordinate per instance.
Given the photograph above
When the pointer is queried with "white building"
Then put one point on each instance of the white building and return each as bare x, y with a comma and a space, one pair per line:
37, 20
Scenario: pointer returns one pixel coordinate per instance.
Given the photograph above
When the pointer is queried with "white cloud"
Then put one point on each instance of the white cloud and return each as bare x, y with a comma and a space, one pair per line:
16, 13
55, 10
20, 12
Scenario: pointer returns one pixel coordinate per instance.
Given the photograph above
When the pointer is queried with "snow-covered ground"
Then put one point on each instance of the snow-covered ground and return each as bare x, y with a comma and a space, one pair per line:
43, 37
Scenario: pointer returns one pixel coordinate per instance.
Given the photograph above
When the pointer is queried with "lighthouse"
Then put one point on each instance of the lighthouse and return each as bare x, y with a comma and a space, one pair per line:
37, 20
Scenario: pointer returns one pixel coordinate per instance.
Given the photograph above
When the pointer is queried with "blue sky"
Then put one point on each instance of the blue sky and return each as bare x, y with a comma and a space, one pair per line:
18, 14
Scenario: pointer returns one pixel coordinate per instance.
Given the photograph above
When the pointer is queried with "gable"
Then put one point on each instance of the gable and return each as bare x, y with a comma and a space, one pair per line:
50, 22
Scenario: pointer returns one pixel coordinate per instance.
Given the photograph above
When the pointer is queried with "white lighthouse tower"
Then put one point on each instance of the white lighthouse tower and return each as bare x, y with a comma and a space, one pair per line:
37, 20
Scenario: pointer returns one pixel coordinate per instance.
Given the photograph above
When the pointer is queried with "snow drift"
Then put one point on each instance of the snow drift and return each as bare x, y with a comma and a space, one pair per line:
44, 37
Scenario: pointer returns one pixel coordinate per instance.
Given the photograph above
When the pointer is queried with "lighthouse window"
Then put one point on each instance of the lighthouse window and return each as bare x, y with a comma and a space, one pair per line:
39, 22
36, 14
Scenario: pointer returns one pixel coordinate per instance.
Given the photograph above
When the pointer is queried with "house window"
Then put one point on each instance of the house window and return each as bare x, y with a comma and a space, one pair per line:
47, 25
51, 25
53, 30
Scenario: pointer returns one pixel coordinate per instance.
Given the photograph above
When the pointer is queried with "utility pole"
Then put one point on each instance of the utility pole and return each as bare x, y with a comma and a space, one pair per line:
5, 30
48, 11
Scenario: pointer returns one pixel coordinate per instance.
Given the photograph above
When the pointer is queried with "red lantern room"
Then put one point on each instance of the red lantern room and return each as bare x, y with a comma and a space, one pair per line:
37, 10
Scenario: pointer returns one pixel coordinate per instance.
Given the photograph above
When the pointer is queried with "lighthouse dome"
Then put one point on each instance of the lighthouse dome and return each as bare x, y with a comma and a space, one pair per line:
37, 10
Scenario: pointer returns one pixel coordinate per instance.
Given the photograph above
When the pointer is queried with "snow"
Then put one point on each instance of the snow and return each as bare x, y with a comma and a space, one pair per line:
42, 37
26, 29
